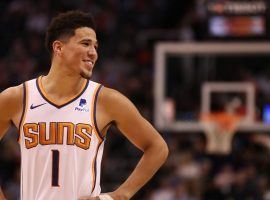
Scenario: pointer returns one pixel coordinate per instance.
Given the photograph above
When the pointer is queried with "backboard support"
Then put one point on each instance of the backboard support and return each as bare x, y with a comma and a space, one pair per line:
162, 103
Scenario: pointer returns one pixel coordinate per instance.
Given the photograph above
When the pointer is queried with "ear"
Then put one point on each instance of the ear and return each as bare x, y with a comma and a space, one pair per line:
57, 47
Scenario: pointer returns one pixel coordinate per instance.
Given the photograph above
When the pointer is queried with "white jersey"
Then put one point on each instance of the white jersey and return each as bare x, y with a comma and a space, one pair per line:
61, 147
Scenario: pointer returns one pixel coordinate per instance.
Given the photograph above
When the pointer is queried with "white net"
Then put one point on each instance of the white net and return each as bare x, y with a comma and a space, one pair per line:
220, 129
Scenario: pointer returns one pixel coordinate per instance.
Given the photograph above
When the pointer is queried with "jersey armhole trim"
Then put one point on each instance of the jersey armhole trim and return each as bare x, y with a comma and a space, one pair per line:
25, 103
94, 115
94, 168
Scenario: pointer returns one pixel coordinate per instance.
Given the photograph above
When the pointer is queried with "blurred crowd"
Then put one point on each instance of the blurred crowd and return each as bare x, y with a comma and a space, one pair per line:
192, 173
126, 32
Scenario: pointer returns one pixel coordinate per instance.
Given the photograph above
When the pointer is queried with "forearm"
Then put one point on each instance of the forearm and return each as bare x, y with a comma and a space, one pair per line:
2, 197
150, 162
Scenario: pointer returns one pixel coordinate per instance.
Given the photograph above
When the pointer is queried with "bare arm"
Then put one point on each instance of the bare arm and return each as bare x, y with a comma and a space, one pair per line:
10, 106
2, 197
5, 118
11, 101
141, 133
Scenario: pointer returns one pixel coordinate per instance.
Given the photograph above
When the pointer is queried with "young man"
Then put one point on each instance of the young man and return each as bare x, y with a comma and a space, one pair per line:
63, 118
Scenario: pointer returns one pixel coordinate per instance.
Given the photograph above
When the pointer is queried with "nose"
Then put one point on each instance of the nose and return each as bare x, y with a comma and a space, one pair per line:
92, 52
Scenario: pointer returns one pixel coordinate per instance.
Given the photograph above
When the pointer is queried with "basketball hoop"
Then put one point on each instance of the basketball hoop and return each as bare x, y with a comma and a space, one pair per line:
220, 128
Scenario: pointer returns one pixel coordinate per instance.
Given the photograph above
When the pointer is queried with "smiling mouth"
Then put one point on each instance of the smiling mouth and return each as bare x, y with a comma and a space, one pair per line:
89, 64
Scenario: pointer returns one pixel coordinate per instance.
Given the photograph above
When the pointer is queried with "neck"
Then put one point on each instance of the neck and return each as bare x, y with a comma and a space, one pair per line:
62, 82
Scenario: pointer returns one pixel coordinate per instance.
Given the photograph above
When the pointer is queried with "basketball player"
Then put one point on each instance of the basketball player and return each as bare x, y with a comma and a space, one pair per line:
63, 118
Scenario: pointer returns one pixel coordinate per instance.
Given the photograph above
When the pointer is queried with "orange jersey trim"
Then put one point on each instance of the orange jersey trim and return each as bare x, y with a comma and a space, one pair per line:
93, 114
94, 168
97, 133
52, 102
25, 104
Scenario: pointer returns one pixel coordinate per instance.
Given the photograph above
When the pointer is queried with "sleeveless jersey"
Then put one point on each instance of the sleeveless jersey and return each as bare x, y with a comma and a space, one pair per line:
61, 147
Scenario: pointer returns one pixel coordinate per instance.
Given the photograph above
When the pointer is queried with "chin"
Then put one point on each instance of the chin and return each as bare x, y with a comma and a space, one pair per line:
85, 75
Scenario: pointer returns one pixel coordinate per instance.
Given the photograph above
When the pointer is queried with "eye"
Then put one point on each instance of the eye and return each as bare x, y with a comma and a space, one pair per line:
86, 44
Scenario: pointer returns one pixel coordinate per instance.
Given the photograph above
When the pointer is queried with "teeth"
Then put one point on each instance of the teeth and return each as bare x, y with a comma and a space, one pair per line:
89, 62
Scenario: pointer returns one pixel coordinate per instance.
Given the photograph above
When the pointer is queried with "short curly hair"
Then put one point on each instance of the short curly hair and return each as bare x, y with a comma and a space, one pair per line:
65, 24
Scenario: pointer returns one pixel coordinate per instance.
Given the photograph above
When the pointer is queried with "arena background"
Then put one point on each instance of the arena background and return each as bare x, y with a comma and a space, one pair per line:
128, 33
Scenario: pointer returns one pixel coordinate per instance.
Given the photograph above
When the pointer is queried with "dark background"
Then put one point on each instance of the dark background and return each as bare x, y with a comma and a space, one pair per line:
127, 32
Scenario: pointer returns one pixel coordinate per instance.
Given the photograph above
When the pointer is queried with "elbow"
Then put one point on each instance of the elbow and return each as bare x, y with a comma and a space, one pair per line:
163, 151
157, 149
166, 150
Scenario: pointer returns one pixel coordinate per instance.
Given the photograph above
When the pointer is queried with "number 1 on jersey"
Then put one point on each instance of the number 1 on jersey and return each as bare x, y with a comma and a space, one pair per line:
55, 168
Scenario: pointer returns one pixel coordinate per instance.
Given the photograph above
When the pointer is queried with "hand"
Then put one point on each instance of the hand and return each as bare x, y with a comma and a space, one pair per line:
94, 198
114, 195
89, 198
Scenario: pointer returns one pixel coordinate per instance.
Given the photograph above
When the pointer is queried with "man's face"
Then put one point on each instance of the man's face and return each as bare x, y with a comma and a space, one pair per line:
80, 52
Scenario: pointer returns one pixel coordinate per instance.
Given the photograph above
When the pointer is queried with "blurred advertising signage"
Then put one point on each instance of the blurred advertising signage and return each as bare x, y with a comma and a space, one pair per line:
266, 114
236, 18
237, 26
235, 7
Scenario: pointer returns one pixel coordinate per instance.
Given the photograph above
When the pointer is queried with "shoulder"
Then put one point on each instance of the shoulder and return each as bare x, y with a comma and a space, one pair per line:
114, 103
12, 94
11, 99
108, 96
